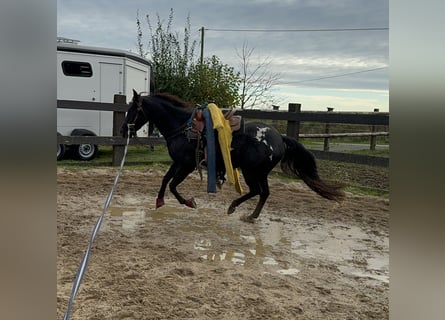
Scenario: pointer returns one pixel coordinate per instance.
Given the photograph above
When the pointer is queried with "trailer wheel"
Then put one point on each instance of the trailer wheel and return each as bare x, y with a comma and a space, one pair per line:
61, 149
86, 152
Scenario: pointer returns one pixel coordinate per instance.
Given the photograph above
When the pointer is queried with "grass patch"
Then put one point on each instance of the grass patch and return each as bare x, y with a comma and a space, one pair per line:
360, 179
137, 156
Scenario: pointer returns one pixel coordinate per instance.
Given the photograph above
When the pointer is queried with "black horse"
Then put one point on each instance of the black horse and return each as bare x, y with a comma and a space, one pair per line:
256, 150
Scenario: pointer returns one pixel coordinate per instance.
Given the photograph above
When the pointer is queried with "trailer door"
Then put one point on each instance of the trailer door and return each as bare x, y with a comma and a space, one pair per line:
137, 79
111, 83
77, 79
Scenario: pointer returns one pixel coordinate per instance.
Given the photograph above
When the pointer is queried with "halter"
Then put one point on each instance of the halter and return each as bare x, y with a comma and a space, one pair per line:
138, 109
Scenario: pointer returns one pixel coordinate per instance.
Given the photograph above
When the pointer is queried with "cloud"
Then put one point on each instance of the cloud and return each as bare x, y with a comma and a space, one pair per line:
344, 100
296, 56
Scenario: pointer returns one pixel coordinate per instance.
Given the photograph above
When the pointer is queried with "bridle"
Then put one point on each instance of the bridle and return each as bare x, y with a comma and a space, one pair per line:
139, 110
183, 129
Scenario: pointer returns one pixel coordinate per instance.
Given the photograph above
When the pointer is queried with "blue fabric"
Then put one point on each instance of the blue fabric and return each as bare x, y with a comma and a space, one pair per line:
211, 151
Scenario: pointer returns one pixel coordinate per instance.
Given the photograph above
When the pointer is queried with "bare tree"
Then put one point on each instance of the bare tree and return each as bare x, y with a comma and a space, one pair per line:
256, 80
140, 47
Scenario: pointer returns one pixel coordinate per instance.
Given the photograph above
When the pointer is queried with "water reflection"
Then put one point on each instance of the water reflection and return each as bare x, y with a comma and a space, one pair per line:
130, 219
281, 247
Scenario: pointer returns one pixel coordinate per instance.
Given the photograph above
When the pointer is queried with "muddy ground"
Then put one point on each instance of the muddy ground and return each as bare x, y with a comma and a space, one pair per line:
305, 257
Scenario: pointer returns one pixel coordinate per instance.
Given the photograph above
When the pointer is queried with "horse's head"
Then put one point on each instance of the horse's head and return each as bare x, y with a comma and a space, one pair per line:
135, 118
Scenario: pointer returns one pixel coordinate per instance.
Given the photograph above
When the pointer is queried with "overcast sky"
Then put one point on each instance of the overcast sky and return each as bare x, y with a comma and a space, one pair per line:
347, 70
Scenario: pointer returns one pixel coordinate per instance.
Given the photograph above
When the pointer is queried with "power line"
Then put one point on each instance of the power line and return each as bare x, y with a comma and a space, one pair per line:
298, 30
336, 76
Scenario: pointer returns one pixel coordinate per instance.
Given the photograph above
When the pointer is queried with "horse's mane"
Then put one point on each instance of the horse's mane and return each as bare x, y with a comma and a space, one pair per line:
175, 100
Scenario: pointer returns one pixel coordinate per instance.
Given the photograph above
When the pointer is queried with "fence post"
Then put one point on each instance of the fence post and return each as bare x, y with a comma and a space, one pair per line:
118, 120
373, 138
275, 122
293, 127
327, 130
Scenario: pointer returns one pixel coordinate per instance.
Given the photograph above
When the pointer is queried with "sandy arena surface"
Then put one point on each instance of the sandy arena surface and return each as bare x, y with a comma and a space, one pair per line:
305, 257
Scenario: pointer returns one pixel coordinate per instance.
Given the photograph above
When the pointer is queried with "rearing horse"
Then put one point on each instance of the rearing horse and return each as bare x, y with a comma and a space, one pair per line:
256, 151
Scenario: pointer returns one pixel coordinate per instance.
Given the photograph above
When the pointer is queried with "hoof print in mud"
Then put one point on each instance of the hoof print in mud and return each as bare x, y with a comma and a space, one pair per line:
248, 219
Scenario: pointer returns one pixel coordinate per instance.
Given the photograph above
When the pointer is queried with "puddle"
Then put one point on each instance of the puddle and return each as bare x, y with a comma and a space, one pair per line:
238, 258
330, 242
288, 271
338, 244
372, 277
128, 218
202, 245
348, 247
270, 261
257, 249
284, 248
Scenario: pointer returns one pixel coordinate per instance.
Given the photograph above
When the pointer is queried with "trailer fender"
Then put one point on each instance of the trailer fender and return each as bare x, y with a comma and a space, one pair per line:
82, 132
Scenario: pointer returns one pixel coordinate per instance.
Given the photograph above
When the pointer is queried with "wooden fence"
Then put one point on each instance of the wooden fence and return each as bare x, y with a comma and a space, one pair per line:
294, 116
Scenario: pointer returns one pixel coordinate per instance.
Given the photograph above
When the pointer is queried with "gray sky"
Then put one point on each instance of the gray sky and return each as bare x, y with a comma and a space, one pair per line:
299, 57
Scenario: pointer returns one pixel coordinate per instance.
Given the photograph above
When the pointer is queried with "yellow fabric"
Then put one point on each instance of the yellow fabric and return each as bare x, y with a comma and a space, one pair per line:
225, 140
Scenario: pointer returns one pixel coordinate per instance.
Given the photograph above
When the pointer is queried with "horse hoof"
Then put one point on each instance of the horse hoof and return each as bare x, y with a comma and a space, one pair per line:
190, 203
231, 210
159, 202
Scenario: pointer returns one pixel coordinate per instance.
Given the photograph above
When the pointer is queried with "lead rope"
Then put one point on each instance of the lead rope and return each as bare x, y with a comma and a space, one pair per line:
83, 265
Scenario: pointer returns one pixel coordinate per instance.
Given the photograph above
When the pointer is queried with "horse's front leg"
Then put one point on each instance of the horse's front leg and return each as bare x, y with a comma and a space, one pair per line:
179, 176
168, 176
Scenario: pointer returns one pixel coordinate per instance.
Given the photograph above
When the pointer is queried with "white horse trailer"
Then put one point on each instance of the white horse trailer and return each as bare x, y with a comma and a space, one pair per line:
95, 74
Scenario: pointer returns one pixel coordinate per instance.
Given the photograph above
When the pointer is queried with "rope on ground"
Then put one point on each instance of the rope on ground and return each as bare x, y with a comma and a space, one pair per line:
84, 263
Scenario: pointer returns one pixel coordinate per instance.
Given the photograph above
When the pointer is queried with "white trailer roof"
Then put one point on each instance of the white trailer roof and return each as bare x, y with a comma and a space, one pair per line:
102, 51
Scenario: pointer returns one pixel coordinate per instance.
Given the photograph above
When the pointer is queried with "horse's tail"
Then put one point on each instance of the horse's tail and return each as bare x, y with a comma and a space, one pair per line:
298, 161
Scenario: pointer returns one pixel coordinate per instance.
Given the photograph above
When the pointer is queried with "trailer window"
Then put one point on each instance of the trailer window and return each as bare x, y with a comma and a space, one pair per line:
77, 69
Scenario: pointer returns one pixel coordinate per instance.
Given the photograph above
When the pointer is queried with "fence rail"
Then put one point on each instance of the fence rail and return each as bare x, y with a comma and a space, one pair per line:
293, 117
155, 140
370, 118
343, 135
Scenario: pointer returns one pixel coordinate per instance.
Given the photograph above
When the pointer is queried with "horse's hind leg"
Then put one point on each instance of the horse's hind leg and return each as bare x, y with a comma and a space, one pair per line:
254, 189
168, 176
235, 203
264, 194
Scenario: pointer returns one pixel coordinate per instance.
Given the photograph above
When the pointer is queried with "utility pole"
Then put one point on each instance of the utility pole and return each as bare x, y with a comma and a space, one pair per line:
202, 44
